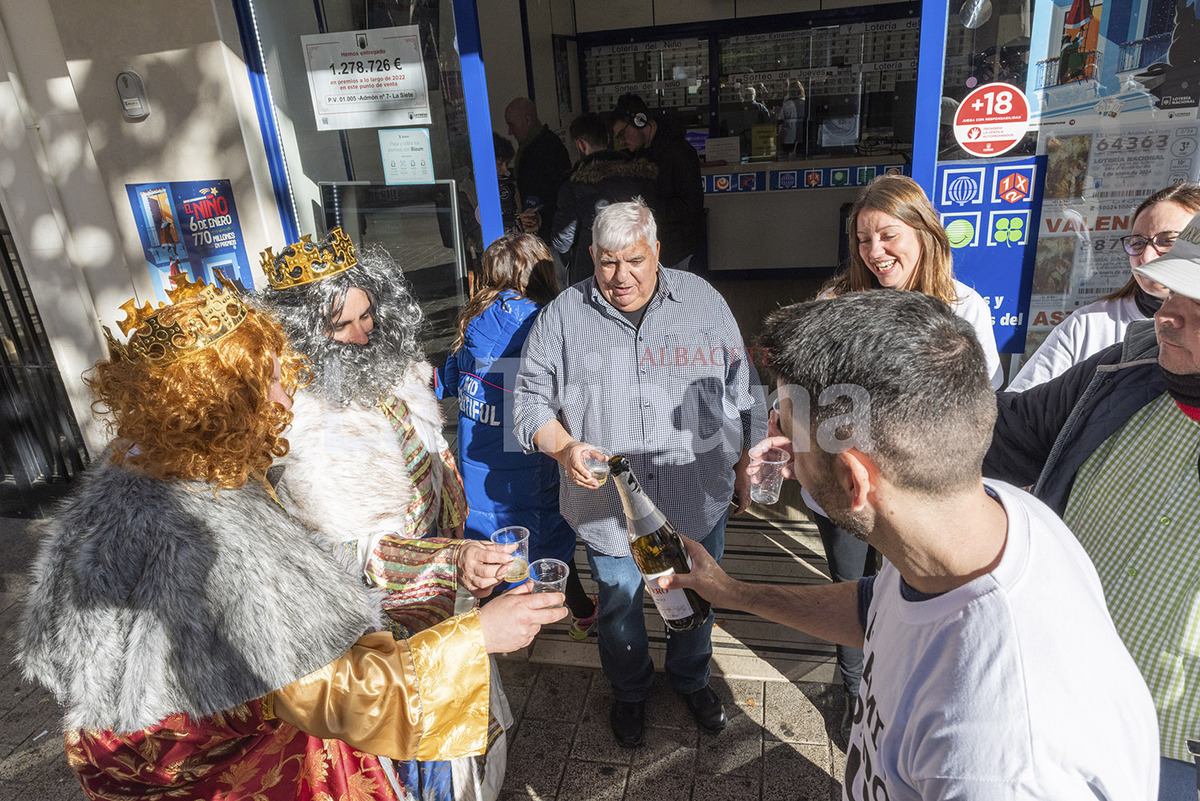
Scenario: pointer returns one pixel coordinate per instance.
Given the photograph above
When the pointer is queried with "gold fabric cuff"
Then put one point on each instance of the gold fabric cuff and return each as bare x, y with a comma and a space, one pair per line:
454, 670
425, 698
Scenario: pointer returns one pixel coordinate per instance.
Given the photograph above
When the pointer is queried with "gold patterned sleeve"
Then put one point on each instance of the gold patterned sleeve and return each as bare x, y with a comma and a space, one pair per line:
424, 698
454, 508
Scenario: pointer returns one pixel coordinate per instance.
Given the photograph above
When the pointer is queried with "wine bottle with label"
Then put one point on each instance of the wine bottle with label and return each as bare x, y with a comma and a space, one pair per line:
657, 550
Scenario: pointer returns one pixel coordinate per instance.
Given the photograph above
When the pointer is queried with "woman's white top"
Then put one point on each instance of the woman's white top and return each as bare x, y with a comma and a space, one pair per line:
1087, 331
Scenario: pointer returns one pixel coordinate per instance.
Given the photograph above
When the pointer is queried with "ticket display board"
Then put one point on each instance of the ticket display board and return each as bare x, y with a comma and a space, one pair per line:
670, 74
857, 81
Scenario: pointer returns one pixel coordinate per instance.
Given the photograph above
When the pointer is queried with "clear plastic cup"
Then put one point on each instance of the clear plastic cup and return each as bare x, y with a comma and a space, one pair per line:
596, 461
766, 474
549, 575
518, 571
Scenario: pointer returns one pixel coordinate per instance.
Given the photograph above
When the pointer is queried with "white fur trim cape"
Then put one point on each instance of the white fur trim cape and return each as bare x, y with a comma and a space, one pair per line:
151, 598
345, 473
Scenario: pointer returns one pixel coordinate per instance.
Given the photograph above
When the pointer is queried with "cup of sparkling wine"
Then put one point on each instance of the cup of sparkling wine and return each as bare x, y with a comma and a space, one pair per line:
596, 462
518, 571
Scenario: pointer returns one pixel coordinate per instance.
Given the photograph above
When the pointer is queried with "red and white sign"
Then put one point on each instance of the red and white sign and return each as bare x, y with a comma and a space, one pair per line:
991, 120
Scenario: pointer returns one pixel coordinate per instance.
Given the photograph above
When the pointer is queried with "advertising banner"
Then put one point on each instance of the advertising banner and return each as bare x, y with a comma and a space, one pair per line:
989, 210
367, 79
192, 228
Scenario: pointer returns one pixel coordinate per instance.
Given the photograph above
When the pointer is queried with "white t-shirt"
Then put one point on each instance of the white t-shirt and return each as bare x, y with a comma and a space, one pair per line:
1015, 685
974, 309
1087, 331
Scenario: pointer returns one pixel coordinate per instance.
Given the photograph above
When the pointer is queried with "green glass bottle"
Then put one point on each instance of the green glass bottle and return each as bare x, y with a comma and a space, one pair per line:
657, 550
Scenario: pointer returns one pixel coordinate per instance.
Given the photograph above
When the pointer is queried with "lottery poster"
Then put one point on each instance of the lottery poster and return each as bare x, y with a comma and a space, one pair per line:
189, 228
990, 211
1095, 178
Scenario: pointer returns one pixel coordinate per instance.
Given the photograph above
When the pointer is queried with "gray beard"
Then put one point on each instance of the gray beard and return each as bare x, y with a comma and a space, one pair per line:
364, 373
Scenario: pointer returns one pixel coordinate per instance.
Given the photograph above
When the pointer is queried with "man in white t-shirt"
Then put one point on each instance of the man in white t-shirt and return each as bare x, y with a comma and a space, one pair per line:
991, 667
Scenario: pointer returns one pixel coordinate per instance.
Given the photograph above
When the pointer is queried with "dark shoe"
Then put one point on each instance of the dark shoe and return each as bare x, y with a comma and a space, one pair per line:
847, 723
628, 721
707, 709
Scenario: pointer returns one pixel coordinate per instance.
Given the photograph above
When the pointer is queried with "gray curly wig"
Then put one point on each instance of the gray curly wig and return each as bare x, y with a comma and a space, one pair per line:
345, 372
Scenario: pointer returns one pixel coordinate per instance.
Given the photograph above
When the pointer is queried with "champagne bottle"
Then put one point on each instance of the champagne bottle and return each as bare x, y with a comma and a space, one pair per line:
657, 550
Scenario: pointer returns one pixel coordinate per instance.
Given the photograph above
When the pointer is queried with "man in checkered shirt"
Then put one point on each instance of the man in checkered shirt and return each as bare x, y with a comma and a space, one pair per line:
647, 362
1113, 446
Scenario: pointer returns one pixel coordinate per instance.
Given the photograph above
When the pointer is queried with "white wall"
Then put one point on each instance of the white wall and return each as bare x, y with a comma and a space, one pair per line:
66, 152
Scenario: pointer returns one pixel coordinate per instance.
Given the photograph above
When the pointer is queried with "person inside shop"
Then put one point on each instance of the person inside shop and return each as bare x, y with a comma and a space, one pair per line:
540, 166
679, 209
205, 644
1112, 446
1094, 327
793, 121
897, 242
993, 670
601, 367
370, 402
602, 176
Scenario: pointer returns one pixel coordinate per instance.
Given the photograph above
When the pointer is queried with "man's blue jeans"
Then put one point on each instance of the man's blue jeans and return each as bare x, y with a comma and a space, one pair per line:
621, 629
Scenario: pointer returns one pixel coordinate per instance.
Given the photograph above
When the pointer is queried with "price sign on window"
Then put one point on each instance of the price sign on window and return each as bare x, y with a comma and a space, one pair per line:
991, 120
367, 79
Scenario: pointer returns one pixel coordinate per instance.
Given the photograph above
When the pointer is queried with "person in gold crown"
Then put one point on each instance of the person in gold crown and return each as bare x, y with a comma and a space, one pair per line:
371, 403
204, 644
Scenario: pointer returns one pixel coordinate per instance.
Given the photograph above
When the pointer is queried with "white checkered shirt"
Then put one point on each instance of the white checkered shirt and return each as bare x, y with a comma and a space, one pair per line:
678, 397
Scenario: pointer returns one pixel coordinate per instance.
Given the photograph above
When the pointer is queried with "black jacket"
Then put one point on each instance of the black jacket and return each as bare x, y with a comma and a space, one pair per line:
1044, 434
598, 179
541, 167
680, 209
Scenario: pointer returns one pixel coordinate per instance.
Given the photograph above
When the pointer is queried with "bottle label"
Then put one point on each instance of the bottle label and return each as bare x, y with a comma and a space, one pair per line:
672, 604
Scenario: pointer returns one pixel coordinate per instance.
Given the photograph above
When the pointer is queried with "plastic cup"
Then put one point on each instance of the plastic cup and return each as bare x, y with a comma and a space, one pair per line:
518, 571
598, 467
549, 575
767, 475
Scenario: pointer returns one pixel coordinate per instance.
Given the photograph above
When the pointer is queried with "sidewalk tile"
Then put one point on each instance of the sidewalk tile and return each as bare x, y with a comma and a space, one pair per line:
593, 781
796, 772
537, 756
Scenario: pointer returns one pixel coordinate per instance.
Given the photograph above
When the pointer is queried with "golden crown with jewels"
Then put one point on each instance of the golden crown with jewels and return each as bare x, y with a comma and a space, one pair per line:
306, 261
198, 316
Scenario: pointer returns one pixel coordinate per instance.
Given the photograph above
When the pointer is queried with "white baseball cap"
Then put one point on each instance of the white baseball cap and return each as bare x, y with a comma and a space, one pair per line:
1179, 269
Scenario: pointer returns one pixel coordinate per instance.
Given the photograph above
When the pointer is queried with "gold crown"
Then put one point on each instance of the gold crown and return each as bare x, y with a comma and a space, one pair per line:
198, 316
306, 261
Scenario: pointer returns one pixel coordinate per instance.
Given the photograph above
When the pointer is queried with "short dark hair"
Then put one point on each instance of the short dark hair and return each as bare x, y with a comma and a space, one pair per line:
919, 367
591, 129
503, 147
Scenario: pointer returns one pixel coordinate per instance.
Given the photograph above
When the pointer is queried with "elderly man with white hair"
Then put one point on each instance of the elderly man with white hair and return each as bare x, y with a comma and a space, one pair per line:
647, 362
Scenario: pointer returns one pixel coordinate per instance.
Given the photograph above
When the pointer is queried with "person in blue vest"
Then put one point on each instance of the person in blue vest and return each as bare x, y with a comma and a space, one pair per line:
504, 485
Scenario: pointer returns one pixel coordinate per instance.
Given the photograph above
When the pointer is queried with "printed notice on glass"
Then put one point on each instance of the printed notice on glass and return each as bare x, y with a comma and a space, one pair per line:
367, 79
407, 156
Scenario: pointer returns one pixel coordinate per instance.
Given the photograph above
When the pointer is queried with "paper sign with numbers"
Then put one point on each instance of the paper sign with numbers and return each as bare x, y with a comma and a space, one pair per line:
367, 79
991, 119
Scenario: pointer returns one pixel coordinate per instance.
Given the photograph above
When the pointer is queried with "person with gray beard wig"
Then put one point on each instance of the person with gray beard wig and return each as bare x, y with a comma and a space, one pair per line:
371, 403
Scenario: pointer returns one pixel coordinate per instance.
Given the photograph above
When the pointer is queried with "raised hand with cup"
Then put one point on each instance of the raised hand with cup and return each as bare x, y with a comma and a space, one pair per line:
766, 473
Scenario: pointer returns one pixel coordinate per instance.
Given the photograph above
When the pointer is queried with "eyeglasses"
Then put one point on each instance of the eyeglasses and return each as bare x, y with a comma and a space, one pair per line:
1134, 244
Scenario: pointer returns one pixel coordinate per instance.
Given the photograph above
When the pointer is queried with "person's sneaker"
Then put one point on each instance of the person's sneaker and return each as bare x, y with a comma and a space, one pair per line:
581, 627
628, 721
706, 707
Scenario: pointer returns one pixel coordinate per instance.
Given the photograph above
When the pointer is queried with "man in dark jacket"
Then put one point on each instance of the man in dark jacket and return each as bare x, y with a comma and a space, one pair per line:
680, 209
601, 177
541, 164
1112, 446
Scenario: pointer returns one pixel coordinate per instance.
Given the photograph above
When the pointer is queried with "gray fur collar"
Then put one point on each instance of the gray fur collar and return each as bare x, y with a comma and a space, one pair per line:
151, 598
